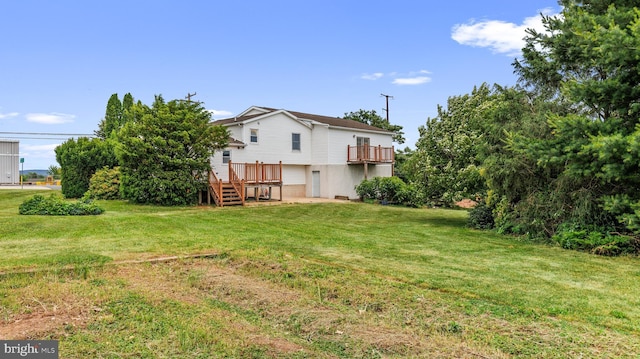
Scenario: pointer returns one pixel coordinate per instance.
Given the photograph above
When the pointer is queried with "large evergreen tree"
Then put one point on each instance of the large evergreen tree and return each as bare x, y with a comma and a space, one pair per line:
116, 115
589, 57
164, 151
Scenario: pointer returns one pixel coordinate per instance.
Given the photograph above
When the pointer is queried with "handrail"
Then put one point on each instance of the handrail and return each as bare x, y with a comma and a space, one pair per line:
216, 186
368, 153
236, 181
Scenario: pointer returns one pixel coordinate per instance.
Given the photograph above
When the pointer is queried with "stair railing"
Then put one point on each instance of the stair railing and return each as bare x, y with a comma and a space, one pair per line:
237, 182
215, 184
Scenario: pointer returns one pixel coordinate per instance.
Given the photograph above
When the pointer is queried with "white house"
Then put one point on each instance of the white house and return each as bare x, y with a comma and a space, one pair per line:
316, 156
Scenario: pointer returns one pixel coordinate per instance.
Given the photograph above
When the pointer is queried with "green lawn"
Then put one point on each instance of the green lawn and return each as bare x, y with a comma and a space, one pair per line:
308, 280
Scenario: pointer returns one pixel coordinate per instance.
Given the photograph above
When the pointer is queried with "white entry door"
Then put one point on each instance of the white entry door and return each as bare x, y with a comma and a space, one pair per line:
315, 184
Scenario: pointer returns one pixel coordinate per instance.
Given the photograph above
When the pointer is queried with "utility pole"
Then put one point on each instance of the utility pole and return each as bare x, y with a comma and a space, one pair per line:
387, 109
189, 95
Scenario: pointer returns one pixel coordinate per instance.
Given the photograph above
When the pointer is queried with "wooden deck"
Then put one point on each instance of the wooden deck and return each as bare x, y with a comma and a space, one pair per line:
245, 180
370, 154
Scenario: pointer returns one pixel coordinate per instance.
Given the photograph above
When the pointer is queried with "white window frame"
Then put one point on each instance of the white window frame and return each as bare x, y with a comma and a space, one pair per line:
251, 136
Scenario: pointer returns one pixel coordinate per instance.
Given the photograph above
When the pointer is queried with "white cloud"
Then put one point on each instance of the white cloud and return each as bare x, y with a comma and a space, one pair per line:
408, 78
500, 36
419, 80
38, 156
220, 113
50, 118
374, 76
7, 115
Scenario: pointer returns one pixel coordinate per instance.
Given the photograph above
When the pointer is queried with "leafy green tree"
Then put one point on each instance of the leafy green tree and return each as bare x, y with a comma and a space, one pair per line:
446, 162
79, 159
54, 171
373, 119
401, 169
164, 151
467, 150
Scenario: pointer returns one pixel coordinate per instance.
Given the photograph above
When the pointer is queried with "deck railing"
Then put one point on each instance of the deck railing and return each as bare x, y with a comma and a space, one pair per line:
371, 154
258, 172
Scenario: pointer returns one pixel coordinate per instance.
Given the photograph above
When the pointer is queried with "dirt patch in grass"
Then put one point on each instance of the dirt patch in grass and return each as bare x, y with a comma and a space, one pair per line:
466, 203
37, 325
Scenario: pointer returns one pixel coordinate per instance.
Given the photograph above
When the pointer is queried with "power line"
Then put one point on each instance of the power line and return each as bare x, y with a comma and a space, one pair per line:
32, 138
48, 134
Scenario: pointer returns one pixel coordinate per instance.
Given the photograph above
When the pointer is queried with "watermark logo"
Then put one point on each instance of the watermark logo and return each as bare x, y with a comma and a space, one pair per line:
31, 349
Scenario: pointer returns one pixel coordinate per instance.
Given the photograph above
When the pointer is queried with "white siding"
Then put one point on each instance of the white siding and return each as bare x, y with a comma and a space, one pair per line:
237, 133
293, 174
274, 141
341, 180
221, 170
320, 144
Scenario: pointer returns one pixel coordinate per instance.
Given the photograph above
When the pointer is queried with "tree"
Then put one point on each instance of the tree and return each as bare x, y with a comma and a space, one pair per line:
112, 118
373, 119
79, 159
116, 115
127, 104
164, 151
54, 171
445, 165
588, 57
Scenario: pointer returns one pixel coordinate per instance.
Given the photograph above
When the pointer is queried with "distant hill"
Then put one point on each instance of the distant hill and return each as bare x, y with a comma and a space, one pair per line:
39, 172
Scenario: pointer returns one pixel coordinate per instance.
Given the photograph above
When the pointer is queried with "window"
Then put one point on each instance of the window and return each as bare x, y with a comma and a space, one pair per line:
295, 142
362, 141
226, 156
363, 148
254, 135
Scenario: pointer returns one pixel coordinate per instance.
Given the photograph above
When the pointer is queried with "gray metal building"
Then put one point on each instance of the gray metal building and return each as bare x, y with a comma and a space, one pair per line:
9, 161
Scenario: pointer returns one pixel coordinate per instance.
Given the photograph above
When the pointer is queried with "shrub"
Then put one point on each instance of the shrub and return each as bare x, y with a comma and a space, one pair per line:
481, 216
596, 241
391, 190
105, 184
55, 205
367, 189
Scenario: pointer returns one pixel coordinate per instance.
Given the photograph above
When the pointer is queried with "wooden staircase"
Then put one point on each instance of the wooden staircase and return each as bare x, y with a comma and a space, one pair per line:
225, 193
230, 196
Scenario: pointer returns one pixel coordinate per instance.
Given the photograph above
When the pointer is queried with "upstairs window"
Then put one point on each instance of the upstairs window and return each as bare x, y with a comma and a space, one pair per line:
226, 156
254, 135
295, 142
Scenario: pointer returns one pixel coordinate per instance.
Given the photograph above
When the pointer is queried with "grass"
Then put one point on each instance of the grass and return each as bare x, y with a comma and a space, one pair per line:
308, 280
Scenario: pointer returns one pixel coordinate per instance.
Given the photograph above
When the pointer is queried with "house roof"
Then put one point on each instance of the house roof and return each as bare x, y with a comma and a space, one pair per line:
236, 143
331, 121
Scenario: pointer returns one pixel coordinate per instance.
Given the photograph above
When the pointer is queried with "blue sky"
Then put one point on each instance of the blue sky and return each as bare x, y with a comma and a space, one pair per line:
61, 60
